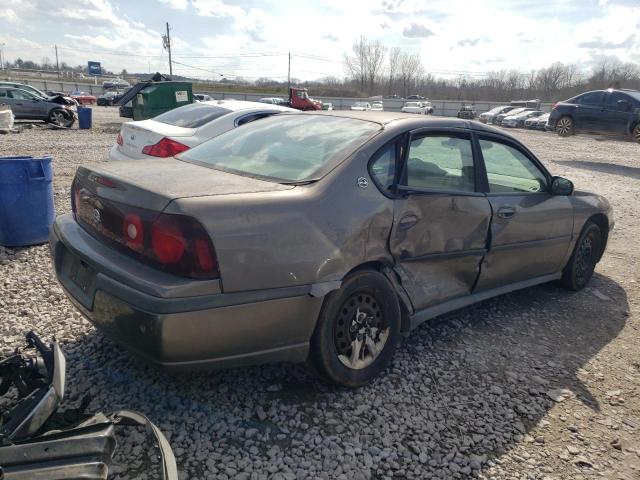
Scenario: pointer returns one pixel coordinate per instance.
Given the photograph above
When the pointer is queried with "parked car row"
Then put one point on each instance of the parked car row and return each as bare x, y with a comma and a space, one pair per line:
607, 112
538, 123
267, 234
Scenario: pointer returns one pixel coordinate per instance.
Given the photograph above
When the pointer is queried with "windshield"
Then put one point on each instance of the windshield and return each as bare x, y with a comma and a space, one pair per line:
192, 116
359, 104
412, 104
289, 148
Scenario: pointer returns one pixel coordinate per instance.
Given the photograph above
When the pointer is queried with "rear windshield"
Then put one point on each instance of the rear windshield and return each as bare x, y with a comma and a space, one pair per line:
285, 148
191, 116
634, 95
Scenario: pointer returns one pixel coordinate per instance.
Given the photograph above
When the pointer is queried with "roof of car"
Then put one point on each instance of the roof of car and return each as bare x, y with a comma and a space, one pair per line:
235, 105
385, 118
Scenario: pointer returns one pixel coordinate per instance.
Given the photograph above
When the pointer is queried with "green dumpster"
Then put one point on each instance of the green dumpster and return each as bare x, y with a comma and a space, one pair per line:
160, 97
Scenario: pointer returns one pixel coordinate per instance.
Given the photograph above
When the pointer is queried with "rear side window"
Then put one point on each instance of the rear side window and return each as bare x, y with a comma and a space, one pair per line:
614, 97
383, 167
441, 162
510, 171
593, 98
192, 116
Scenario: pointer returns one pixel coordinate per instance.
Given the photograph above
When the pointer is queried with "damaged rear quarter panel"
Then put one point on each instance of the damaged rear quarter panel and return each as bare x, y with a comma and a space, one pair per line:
309, 234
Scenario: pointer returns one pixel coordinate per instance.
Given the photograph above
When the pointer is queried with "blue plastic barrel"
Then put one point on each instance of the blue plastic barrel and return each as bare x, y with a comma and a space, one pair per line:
84, 117
26, 200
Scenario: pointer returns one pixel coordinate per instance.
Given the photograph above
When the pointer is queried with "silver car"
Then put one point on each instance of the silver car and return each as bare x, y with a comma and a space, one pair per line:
321, 236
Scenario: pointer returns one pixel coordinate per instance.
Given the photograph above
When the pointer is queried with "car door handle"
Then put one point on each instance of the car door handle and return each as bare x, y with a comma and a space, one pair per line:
506, 212
407, 222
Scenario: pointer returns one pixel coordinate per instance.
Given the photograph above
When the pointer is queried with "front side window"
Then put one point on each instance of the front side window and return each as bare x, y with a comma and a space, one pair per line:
511, 171
289, 148
440, 162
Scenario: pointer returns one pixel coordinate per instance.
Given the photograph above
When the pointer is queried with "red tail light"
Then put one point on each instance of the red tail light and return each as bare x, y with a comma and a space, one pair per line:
176, 244
182, 246
165, 148
167, 240
553, 107
119, 140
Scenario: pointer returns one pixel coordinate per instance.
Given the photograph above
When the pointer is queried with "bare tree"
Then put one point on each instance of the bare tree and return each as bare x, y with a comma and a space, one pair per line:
393, 65
410, 69
356, 64
374, 63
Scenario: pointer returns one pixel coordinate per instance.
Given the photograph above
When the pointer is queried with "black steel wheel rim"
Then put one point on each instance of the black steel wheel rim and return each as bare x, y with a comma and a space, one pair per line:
585, 258
360, 325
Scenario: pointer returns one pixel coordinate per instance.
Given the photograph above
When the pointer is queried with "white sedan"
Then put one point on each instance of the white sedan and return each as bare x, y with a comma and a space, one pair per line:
414, 107
377, 107
185, 127
361, 106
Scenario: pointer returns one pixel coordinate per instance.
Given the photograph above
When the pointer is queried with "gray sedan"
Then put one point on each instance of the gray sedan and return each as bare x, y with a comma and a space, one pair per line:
321, 236
28, 106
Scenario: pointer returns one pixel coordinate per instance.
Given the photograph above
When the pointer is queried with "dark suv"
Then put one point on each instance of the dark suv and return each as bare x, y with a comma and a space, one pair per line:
601, 111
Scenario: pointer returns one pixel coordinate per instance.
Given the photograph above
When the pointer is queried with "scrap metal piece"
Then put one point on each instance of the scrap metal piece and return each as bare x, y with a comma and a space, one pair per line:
39, 443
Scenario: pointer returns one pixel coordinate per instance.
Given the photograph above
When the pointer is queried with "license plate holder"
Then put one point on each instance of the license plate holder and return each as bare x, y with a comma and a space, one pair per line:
79, 278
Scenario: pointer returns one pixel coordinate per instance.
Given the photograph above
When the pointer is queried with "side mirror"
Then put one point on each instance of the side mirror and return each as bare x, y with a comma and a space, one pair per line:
561, 186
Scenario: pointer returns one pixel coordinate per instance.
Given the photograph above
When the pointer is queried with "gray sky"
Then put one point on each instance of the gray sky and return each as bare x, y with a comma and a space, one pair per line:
251, 38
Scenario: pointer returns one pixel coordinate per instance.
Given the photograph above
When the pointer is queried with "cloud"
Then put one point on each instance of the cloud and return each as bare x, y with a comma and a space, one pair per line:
469, 42
216, 8
176, 4
417, 31
599, 43
8, 15
328, 36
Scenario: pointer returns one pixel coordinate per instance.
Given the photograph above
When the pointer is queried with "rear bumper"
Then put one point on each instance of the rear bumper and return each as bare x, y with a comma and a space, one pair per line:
172, 328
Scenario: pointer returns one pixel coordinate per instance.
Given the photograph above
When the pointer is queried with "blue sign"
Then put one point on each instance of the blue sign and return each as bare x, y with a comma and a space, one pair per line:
94, 68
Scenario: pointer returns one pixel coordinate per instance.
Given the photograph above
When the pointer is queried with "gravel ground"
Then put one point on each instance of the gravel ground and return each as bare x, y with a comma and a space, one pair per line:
537, 384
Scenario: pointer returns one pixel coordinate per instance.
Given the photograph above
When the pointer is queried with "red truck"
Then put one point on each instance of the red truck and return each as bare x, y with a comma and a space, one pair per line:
299, 99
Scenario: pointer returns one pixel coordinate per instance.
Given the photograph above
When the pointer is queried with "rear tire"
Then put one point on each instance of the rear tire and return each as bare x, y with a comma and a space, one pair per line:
579, 269
564, 126
357, 331
636, 133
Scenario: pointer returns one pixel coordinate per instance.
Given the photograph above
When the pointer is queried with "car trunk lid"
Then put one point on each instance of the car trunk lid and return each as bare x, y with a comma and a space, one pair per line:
137, 135
122, 203
153, 184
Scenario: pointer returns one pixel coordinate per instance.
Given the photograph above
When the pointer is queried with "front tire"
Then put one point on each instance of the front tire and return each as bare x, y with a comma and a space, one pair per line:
579, 269
564, 126
636, 133
357, 331
61, 118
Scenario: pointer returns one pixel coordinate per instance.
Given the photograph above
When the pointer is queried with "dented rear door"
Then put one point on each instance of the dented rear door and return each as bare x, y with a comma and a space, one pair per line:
439, 236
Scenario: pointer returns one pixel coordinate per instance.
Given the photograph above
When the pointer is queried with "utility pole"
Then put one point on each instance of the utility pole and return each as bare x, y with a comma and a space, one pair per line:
57, 64
1, 58
289, 74
166, 43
